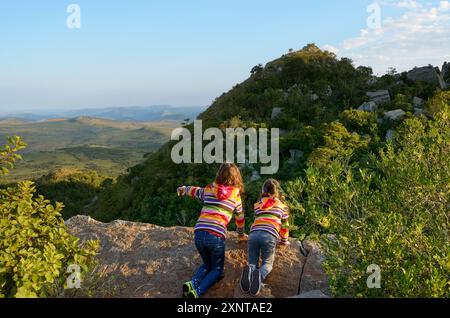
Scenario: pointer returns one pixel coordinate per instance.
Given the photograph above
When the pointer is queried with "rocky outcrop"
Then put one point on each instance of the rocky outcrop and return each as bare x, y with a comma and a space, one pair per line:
295, 155
427, 74
418, 102
369, 107
395, 114
446, 73
390, 135
418, 112
255, 176
379, 97
312, 294
314, 278
152, 261
276, 112
372, 81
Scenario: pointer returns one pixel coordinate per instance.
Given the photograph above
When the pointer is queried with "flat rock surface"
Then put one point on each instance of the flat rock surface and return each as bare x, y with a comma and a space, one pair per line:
152, 261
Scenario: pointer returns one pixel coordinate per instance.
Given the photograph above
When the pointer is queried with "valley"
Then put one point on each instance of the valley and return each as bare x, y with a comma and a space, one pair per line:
108, 147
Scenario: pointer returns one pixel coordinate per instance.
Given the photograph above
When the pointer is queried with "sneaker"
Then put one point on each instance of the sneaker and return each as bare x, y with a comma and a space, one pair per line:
245, 279
255, 284
188, 288
192, 294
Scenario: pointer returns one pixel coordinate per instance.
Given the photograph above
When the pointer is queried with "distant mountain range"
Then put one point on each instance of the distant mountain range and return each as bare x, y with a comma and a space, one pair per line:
139, 114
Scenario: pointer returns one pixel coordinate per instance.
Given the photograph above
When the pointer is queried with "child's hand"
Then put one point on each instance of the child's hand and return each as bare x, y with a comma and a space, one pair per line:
284, 243
181, 191
242, 237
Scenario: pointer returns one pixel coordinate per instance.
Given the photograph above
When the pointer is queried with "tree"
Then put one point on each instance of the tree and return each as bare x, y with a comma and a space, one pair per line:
257, 69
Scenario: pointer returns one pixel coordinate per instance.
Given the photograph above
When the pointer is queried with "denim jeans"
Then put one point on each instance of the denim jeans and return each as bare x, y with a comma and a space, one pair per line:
261, 243
212, 251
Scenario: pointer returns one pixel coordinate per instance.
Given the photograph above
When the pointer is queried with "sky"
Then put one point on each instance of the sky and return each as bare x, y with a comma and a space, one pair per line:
188, 52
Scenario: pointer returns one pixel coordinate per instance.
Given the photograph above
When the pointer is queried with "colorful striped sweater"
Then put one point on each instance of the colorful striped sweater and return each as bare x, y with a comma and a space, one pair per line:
272, 215
220, 203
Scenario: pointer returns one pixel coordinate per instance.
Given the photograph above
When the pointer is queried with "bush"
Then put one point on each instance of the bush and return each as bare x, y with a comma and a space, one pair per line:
395, 214
35, 247
77, 189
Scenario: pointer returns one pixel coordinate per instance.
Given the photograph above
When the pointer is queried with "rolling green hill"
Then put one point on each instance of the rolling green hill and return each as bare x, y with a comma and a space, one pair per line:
106, 146
313, 88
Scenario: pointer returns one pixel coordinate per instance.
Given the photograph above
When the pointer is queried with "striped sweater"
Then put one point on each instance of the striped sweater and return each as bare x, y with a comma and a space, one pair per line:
271, 215
220, 203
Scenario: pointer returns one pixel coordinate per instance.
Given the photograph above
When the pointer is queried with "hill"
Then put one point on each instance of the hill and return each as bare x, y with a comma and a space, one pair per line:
364, 158
133, 114
85, 143
312, 88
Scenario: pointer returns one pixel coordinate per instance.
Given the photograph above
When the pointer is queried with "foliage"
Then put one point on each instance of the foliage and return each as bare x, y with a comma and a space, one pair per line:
35, 247
338, 143
360, 121
403, 102
438, 102
9, 155
77, 189
394, 214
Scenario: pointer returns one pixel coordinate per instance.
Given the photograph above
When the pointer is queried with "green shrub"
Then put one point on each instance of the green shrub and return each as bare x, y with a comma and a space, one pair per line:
394, 214
337, 143
35, 247
9, 155
77, 189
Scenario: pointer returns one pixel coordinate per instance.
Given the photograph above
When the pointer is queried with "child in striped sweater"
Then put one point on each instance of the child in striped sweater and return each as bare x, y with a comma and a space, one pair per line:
270, 227
221, 200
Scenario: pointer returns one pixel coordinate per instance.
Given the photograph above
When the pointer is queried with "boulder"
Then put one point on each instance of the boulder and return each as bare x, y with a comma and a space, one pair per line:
418, 102
395, 114
255, 176
295, 155
276, 112
379, 97
135, 180
427, 74
390, 134
151, 261
315, 294
314, 277
446, 73
372, 81
314, 97
369, 107
418, 111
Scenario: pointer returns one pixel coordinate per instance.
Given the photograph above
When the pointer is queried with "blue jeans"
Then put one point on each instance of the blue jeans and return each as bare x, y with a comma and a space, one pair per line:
212, 251
261, 243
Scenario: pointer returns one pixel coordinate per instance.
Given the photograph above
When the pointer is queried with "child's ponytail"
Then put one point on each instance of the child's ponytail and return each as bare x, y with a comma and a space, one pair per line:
272, 188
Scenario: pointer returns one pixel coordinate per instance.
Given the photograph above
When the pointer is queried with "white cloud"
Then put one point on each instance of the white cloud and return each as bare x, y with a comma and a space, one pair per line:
419, 36
330, 48
409, 4
444, 5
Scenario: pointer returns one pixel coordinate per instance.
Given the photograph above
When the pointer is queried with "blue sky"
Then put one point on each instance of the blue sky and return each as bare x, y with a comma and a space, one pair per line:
187, 52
